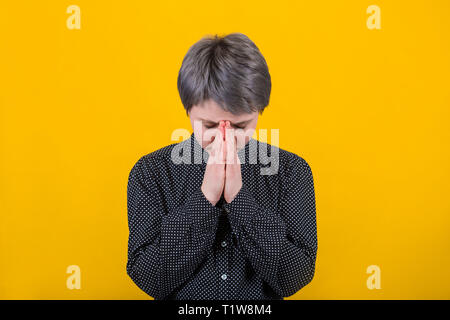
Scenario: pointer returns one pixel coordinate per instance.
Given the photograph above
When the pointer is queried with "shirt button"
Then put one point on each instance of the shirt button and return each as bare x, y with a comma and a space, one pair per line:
224, 243
227, 210
224, 277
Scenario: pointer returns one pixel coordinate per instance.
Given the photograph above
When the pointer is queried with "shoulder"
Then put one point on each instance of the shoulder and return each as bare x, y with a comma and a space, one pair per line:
290, 163
147, 164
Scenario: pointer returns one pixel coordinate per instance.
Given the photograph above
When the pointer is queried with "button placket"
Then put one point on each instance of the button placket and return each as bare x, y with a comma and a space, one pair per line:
222, 258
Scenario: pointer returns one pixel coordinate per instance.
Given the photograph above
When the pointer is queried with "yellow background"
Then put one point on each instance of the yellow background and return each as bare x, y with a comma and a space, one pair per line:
367, 109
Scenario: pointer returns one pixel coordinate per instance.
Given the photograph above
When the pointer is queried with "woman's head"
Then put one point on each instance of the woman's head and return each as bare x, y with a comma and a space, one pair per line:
205, 119
224, 78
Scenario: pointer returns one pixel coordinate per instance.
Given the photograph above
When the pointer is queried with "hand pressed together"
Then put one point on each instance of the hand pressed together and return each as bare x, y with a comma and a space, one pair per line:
223, 170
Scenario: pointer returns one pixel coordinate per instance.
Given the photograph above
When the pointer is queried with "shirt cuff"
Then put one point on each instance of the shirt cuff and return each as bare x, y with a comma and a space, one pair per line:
200, 209
242, 208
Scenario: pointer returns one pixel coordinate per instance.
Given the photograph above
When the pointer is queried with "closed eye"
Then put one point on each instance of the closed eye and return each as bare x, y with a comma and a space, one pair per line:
238, 127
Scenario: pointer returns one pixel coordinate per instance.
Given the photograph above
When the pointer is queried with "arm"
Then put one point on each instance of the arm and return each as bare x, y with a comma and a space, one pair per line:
281, 246
165, 248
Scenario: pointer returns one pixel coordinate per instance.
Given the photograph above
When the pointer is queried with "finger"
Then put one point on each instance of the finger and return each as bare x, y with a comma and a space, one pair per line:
228, 125
238, 161
223, 151
230, 146
222, 128
219, 150
217, 146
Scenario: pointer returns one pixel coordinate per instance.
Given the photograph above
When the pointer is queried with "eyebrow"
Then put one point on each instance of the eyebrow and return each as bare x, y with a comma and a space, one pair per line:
239, 123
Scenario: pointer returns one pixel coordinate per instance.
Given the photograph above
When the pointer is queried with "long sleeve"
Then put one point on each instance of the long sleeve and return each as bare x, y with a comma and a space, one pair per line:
281, 246
165, 248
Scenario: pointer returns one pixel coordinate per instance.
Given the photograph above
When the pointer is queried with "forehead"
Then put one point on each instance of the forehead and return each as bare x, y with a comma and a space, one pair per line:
212, 112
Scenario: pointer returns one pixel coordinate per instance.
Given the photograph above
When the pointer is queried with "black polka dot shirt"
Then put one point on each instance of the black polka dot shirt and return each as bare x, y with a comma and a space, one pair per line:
262, 245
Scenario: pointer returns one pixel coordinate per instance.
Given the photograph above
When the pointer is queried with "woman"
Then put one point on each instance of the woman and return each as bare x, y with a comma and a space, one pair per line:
207, 218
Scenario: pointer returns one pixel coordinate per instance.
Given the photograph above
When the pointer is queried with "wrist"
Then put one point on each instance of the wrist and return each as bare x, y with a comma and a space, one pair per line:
213, 200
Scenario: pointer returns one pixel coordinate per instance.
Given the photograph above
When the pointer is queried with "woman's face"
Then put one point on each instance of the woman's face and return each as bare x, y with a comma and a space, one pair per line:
205, 119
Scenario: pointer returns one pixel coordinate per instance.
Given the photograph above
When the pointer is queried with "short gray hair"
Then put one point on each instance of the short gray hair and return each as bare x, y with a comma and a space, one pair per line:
229, 70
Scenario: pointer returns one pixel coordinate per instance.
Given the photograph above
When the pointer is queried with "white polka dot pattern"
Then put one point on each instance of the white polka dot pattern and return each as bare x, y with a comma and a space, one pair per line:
262, 245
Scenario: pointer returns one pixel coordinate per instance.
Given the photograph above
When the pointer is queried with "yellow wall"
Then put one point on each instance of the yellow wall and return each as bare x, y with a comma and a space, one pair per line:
368, 110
